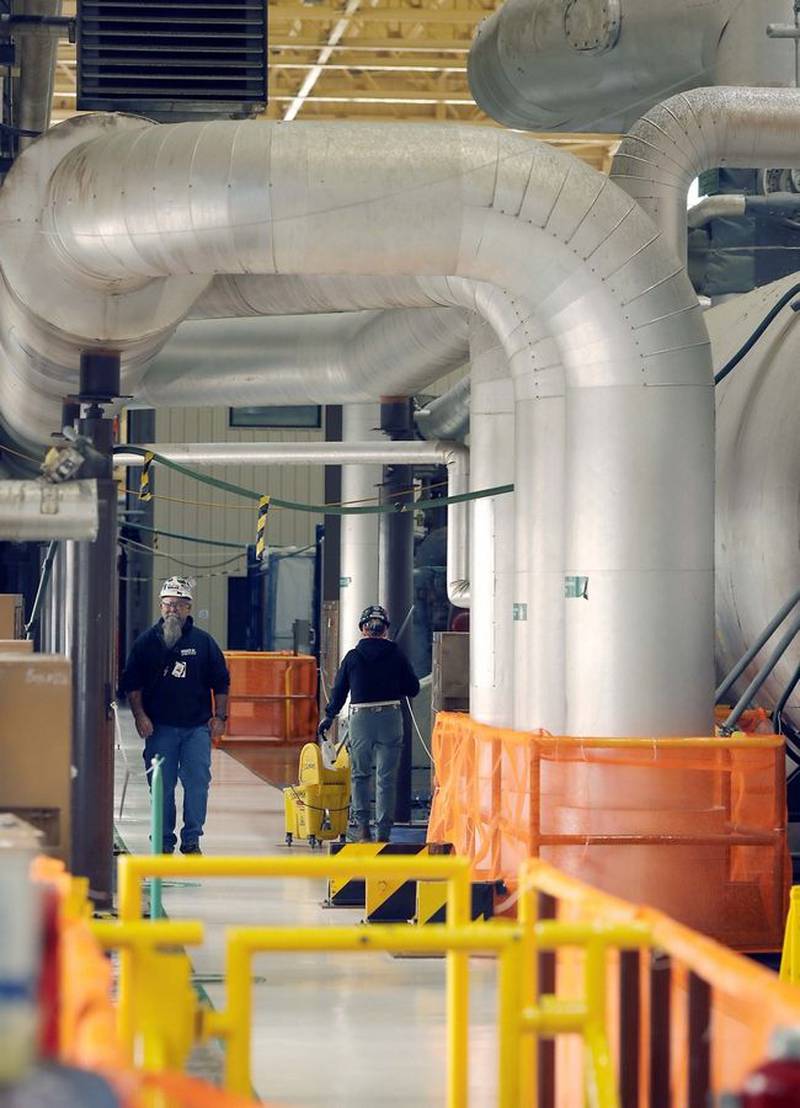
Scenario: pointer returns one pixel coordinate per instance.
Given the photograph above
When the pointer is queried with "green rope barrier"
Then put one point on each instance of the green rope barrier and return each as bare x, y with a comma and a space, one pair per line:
318, 509
178, 535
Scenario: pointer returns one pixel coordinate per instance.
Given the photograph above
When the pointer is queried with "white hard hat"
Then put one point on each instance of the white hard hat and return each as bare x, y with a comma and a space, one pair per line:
177, 586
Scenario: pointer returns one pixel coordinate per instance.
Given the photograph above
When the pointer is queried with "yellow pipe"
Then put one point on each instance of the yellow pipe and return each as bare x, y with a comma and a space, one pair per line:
238, 1012
243, 942
134, 868
527, 916
458, 918
600, 1080
395, 938
552, 934
566, 1017
509, 992
146, 935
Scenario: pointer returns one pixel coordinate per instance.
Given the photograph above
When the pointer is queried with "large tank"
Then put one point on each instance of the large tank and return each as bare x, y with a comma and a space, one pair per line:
598, 65
758, 482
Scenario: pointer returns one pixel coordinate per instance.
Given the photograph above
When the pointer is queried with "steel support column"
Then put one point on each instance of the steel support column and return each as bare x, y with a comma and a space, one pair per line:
396, 568
92, 635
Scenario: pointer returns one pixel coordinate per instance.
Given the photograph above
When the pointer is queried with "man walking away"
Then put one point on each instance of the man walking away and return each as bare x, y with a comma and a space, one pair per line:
376, 674
170, 675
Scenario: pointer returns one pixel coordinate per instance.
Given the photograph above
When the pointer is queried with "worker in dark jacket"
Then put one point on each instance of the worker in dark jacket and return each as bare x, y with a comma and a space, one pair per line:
170, 675
376, 674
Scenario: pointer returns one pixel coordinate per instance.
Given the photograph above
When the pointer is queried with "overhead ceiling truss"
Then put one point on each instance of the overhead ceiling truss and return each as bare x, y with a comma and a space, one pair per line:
367, 59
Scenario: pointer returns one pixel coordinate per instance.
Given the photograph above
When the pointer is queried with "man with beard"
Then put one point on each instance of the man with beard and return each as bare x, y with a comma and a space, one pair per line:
172, 670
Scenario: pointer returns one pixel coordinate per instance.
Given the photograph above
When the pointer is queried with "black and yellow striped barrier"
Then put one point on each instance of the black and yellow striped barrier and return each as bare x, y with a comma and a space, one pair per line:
384, 901
261, 528
145, 492
431, 906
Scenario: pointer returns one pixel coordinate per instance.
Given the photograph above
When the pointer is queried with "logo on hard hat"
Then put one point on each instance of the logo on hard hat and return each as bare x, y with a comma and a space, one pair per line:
372, 615
177, 586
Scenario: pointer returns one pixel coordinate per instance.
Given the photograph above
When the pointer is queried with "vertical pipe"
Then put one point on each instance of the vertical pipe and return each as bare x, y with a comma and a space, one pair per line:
526, 916
156, 832
509, 994
491, 530
458, 915
93, 603
358, 572
238, 1012
539, 486
396, 568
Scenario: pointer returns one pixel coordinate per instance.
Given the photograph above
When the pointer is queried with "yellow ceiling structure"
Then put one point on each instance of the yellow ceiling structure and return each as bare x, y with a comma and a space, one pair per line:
384, 60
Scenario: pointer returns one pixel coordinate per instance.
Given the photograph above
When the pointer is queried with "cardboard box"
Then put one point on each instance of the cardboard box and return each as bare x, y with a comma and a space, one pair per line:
12, 615
16, 646
36, 744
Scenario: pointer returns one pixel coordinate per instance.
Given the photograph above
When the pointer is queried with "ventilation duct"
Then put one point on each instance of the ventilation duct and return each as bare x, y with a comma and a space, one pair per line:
658, 159
138, 219
597, 65
172, 60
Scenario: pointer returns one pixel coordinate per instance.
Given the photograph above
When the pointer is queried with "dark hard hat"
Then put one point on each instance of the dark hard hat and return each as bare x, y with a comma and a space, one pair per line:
372, 613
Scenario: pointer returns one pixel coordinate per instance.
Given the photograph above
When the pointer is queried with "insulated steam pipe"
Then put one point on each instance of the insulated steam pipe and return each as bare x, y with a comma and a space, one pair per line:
32, 511
707, 127
88, 251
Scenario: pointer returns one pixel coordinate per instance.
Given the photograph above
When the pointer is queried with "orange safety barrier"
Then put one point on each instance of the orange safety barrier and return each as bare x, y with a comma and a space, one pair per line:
273, 696
685, 1018
694, 827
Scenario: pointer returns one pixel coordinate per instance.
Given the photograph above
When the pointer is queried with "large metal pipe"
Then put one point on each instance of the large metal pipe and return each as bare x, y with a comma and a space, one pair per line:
758, 475
353, 357
91, 647
492, 530
31, 511
37, 50
358, 580
483, 206
752, 128
597, 65
446, 417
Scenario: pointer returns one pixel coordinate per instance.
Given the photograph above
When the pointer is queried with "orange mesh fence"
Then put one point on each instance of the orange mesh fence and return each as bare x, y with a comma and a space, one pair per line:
662, 1049
273, 695
694, 827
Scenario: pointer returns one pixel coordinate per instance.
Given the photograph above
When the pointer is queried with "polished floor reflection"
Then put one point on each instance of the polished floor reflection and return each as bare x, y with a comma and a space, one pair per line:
351, 1030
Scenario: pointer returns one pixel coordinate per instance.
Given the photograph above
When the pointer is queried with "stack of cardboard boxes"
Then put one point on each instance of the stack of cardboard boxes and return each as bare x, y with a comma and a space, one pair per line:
35, 732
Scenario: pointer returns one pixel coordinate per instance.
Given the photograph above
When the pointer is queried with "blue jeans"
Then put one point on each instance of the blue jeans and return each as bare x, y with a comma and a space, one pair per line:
375, 732
187, 755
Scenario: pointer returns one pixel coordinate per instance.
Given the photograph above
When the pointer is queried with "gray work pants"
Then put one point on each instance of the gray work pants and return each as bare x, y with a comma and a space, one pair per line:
375, 733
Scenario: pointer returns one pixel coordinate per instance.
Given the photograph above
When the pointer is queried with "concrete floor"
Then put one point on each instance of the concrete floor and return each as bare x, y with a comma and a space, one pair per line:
350, 1030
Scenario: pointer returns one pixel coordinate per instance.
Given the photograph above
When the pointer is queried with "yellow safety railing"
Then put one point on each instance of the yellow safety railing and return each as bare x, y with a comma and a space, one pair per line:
133, 869
142, 1020
596, 926
790, 955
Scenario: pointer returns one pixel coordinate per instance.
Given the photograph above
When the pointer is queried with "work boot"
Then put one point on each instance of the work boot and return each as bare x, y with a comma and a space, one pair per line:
191, 848
383, 834
363, 835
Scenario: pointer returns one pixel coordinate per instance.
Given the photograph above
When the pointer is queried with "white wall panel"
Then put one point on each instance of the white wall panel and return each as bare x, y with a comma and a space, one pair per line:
191, 508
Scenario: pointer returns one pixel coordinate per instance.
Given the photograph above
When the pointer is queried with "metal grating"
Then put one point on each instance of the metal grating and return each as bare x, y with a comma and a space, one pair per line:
172, 59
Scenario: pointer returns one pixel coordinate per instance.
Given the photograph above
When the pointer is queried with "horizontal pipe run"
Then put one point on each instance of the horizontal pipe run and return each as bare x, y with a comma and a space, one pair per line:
147, 934
450, 454
35, 510
133, 869
565, 1018
552, 934
433, 938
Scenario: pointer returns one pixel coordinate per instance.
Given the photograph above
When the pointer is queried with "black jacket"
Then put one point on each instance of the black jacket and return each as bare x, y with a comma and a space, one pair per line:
375, 669
176, 684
